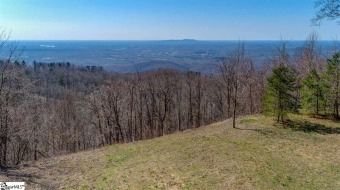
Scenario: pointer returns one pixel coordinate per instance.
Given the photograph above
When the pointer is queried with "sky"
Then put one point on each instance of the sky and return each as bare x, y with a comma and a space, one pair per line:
162, 19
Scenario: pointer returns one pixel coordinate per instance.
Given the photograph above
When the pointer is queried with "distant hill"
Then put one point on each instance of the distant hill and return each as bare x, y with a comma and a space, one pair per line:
183, 40
257, 155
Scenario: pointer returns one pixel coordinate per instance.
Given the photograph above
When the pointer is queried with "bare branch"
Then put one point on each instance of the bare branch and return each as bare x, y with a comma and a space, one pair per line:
327, 10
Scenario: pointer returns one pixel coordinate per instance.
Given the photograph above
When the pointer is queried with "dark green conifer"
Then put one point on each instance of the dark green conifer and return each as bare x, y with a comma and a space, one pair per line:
280, 99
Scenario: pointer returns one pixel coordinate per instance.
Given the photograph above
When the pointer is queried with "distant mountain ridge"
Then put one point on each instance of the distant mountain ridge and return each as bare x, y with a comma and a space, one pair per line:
180, 41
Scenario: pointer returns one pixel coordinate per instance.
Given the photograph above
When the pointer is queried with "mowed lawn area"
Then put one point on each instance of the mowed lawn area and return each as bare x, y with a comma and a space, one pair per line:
259, 154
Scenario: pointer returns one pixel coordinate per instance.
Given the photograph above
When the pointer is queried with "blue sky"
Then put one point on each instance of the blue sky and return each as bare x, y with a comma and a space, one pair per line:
161, 19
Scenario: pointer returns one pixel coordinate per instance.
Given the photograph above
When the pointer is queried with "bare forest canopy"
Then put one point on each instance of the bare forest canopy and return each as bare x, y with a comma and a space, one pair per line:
49, 109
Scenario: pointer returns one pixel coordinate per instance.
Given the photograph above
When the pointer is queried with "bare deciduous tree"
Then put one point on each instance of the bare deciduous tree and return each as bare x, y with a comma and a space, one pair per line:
232, 70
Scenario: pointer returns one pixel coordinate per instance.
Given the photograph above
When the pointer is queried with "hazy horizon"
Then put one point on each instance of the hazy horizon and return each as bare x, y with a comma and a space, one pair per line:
169, 40
129, 56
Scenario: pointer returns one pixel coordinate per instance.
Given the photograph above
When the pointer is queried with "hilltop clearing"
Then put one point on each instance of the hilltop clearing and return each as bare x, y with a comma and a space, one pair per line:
257, 155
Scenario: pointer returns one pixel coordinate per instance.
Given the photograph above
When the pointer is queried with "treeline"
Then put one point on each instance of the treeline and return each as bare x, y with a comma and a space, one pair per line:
309, 84
318, 93
50, 109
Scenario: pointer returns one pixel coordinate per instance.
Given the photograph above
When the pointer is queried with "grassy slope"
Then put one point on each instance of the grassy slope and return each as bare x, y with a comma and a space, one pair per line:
259, 155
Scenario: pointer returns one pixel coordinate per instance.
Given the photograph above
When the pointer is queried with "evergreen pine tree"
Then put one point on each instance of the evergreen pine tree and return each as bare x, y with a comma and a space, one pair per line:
332, 83
312, 92
280, 99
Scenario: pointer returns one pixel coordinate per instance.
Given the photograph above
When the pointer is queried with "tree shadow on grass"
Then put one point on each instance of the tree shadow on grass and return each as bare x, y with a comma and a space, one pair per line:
246, 129
262, 131
309, 127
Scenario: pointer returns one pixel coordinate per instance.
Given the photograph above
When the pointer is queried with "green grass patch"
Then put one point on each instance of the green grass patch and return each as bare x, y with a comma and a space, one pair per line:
247, 120
259, 154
